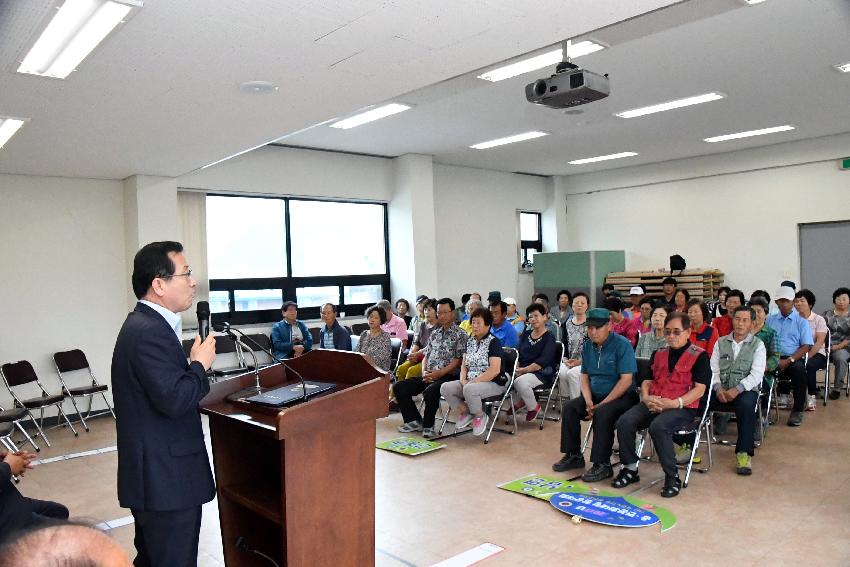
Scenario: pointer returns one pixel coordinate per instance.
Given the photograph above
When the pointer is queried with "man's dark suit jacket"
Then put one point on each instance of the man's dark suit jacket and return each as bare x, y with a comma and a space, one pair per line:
15, 510
162, 458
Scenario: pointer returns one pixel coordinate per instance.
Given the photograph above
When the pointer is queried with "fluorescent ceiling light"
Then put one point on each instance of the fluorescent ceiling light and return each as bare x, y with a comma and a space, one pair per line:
8, 127
752, 2
602, 158
76, 29
509, 140
547, 59
371, 115
844, 67
678, 103
749, 133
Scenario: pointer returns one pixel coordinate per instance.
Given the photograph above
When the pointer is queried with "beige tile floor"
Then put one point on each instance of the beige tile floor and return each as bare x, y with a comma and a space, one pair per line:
794, 510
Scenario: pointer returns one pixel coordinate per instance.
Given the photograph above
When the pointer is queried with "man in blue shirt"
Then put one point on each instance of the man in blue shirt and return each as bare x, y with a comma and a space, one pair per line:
501, 327
607, 391
795, 339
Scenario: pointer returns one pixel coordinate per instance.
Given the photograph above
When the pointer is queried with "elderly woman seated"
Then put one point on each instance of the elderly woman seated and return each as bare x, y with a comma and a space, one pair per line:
466, 324
655, 339
538, 360
375, 342
480, 374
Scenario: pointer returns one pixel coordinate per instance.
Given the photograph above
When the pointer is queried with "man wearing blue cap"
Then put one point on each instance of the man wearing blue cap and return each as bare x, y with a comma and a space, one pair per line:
607, 391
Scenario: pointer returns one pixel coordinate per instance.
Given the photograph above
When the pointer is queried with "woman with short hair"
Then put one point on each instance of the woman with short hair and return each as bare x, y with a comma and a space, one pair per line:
702, 334
480, 374
574, 332
537, 364
655, 339
375, 342
804, 302
838, 323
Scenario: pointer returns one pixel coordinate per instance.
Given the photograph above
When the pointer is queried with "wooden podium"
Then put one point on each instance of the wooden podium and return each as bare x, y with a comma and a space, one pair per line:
298, 484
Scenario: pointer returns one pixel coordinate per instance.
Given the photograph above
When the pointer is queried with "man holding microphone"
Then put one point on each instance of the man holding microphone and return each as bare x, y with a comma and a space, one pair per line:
164, 473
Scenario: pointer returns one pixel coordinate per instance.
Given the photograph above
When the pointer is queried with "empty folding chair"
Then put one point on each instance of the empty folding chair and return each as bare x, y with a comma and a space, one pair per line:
549, 392
230, 364
22, 373
73, 360
15, 417
261, 344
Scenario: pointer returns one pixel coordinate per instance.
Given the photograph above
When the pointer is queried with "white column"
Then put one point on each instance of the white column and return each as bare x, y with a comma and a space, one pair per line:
412, 228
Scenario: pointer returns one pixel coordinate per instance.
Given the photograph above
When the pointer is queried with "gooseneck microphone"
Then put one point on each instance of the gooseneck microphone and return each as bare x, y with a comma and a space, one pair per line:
230, 331
203, 313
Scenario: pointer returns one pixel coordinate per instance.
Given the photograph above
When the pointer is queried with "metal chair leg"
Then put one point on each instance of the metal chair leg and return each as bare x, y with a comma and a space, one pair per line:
108, 405
27, 436
586, 437
68, 421
79, 413
39, 428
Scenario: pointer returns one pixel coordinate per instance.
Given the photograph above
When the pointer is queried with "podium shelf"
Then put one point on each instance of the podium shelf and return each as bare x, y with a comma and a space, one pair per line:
259, 498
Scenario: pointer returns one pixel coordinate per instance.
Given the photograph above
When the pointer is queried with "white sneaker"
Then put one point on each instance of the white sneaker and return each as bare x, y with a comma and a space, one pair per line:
463, 421
479, 424
410, 427
783, 400
811, 402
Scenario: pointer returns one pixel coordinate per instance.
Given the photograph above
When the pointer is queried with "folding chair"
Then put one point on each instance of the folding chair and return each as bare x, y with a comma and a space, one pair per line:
540, 391
498, 402
71, 361
358, 328
15, 417
730, 408
828, 346
260, 343
314, 333
21, 373
226, 345
697, 427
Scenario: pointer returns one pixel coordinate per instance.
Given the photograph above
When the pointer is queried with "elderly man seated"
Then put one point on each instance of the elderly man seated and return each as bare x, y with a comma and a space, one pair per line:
607, 390
795, 340
501, 327
670, 398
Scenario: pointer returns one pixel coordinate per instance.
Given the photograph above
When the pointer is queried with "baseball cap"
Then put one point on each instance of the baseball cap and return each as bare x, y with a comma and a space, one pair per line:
597, 317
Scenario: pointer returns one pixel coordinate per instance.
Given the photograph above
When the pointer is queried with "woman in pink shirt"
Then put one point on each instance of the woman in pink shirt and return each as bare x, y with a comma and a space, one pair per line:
804, 301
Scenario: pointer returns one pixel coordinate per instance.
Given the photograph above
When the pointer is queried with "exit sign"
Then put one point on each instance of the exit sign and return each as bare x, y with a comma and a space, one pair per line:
845, 163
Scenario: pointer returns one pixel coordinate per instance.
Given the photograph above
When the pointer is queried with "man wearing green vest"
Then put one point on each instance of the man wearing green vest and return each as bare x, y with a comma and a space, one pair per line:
737, 369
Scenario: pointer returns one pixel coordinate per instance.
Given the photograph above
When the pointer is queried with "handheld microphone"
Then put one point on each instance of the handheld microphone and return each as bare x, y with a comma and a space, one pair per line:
227, 329
203, 313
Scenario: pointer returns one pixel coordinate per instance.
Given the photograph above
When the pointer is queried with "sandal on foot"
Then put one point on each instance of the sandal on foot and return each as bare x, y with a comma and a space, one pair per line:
625, 478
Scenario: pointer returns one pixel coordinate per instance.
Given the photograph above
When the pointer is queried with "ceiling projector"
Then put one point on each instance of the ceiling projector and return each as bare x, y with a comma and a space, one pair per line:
569, 86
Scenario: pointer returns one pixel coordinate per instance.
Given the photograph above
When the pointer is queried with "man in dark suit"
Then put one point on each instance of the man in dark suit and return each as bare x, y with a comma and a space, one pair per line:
164, 473
16, 511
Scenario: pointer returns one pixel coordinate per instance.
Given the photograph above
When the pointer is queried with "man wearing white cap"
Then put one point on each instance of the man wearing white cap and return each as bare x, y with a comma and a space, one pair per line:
515, 319
635, 295
795, 339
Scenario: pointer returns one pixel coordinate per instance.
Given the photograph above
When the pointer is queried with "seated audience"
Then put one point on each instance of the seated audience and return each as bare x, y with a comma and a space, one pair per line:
412, 367
563, 311
551, 326
737, 369
460, 311
607, 291
375, 342
18, 512
446, 346
501, 327
402, 308
762, 293
480, 375
636, 295
838, 323
668, 290
419, 317
795, 340
574, 332
702, 334
654, 340
332, 335
394, 325
679, 375
472, 296
290, 337
607, 391
717, 307
645, 315
517, 320
723, 324
680, 300
63, 544
768, 337
804, 302
466, 324
619, 323
538, 360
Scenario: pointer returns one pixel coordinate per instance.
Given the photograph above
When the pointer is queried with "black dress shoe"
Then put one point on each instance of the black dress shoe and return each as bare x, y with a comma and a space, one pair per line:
568, 462
598, 472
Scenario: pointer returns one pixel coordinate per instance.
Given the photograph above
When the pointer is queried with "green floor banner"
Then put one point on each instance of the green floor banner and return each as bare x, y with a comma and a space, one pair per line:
409, 446
548, 488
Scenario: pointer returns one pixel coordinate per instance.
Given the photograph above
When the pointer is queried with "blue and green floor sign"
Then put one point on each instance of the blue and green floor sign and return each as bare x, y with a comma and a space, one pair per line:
600, 506
410, 446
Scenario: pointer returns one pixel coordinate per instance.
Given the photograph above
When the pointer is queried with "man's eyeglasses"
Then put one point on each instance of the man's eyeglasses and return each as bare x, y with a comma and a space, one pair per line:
188, 274
674, 332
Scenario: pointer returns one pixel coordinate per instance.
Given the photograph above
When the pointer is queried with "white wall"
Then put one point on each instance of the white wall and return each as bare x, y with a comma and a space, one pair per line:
65, 278
478, 230
744, 223
275, 170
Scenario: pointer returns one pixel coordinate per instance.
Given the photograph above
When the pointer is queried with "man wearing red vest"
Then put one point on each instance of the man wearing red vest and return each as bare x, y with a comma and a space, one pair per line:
670, 399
